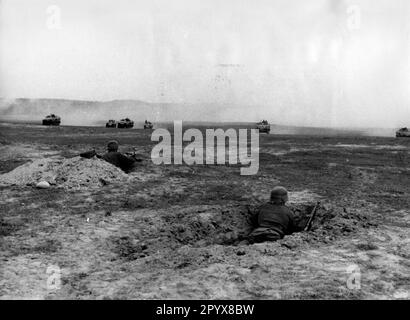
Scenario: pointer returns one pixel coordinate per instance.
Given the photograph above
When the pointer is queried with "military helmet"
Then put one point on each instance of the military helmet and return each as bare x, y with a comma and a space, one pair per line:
279, 193
112, 145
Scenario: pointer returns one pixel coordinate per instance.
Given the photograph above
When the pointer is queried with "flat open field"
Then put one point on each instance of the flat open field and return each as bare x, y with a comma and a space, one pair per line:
173, 231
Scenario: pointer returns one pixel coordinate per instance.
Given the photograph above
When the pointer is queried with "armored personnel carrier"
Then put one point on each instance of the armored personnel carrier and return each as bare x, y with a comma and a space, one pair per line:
125, 123
263, 126
52, 120
148, 125
111, 124
403, 132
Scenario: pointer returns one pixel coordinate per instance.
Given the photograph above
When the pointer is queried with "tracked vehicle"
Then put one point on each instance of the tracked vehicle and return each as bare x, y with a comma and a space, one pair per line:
51, 120
125, 123
263, 126
148, 125
111, 124
403, 132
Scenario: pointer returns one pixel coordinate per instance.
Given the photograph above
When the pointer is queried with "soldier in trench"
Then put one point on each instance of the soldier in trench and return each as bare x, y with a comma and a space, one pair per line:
274, 219
125, 163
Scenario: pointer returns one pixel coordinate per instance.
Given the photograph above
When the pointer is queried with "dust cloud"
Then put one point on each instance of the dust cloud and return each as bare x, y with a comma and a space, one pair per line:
323, 63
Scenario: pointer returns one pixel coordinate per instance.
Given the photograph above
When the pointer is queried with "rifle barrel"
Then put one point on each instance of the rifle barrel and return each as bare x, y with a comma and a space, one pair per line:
308, 224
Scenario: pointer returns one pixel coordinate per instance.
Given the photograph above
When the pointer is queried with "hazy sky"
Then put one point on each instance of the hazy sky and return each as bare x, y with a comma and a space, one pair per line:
312, 62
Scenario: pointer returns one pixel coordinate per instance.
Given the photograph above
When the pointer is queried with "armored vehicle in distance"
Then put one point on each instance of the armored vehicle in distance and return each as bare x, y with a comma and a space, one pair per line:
148, 125
403, 132
111, 124
52, 120
263, 126
125, 123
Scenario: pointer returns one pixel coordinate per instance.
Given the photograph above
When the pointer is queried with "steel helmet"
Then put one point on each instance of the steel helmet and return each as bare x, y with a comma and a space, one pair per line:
112, 145
279, 193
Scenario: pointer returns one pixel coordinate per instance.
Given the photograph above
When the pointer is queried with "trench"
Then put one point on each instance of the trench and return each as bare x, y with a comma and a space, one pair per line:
206, 226
228, 226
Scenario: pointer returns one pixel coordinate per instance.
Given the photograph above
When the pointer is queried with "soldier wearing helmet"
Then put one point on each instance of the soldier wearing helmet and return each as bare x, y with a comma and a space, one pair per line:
274, 219
117, 158
112, 146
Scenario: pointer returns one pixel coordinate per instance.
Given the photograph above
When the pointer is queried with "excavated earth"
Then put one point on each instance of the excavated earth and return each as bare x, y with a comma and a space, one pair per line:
176, 231
72, 173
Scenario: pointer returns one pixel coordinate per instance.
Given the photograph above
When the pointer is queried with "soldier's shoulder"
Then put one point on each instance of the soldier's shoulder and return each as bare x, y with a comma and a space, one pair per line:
265, 205
288, 210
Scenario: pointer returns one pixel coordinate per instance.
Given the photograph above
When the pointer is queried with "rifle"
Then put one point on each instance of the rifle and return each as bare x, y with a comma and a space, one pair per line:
133, 156
312, 216
88, 154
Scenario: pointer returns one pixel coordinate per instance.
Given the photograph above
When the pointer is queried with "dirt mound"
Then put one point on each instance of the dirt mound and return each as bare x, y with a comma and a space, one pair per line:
329, 224
73, 173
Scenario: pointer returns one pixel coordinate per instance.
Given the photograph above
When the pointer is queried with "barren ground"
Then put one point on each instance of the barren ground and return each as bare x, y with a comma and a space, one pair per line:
170, 232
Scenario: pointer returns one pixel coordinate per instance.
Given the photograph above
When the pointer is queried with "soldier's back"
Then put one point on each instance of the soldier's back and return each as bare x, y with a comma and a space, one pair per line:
276, 217
119, 160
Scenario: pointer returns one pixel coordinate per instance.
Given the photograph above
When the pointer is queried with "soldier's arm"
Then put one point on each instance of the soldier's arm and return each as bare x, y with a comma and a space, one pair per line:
297, 221
134, 157
293, 222
126, 159
253, 215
